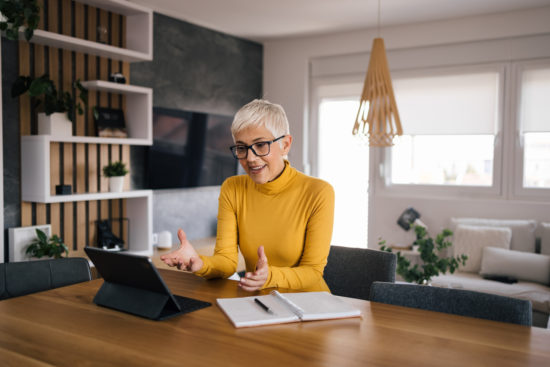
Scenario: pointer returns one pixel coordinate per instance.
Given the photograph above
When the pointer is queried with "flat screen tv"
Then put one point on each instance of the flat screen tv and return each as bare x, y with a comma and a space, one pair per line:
190, 149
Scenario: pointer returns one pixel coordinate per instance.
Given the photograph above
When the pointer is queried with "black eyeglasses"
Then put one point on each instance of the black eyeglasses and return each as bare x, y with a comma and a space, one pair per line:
260, 149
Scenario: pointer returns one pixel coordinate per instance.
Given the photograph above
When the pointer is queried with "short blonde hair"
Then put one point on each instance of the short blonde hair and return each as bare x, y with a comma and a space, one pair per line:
261, 112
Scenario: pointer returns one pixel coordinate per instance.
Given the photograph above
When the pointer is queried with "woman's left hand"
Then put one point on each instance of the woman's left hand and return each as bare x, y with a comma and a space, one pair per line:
254, 281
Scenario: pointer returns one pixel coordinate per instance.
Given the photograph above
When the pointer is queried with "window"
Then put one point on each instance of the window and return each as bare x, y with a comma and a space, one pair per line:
535, 127
449, 127
343, 161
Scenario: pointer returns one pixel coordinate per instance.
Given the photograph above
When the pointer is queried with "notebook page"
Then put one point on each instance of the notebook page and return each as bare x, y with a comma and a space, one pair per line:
322, 305
244, 312
291, 305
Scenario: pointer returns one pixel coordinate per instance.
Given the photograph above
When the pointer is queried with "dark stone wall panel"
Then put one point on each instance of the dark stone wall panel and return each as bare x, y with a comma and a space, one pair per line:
198, 69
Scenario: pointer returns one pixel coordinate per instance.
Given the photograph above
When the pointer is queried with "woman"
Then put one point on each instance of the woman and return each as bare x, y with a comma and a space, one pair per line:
280, 218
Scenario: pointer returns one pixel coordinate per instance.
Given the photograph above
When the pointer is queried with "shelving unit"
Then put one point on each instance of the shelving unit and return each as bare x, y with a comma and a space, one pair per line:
138, 114
35, 149
35, 178
139, 34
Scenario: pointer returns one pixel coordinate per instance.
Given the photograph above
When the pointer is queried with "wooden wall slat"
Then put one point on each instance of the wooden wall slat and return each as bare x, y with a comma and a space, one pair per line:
80, 162
93, 174
80, 227
68, 216
53, 16
80, 73
92, 225
115, 215
40, 4
104, 209
55, 215
126, 160
103, 161
54, 167
92, 68
25, 119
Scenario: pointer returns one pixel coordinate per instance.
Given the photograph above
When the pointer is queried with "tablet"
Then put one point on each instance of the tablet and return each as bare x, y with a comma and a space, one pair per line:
133, 284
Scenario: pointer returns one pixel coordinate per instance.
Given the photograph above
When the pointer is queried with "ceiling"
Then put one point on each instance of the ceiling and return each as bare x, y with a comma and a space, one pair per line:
262, 20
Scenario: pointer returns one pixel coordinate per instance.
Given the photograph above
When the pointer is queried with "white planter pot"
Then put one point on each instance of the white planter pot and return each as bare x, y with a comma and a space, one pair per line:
56, 124
116, 183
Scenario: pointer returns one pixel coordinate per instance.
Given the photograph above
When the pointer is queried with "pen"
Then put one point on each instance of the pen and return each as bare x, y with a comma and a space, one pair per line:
266, 309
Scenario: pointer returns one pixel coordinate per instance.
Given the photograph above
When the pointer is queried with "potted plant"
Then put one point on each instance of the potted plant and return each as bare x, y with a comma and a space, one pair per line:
116, 172
59, 108
44, 246
16, 14
429, 253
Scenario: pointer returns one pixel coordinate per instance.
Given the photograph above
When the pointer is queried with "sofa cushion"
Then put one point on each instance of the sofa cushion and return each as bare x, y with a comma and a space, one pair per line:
470, 241
545, 239
523, 231
538, 294
517, 264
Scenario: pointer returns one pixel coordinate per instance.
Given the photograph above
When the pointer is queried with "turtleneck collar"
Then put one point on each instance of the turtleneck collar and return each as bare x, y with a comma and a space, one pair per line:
280, 183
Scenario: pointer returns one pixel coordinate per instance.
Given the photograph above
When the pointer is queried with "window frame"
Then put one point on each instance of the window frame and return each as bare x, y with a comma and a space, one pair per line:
496, 189
518, 190
311, 146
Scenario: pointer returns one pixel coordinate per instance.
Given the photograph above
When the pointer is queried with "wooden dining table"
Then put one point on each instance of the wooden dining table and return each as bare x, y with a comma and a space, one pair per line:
63, 327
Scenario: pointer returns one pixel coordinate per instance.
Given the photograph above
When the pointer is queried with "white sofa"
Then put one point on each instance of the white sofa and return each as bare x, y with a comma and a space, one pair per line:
507, 248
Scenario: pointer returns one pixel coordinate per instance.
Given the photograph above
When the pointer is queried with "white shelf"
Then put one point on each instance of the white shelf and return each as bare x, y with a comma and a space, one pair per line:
139, 34
35, 171
94, 196
139, 109
86, 139
105, 86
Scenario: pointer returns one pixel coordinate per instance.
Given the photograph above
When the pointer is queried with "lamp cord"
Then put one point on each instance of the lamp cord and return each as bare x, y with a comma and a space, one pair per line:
378, 22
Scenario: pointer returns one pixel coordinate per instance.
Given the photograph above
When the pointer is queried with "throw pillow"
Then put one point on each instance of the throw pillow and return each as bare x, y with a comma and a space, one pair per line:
523, 230
517, 264
545, 239
470, 241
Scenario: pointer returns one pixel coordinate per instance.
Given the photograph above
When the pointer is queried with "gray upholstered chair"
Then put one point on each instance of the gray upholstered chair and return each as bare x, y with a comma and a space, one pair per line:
20, 278
351, 271
454, 301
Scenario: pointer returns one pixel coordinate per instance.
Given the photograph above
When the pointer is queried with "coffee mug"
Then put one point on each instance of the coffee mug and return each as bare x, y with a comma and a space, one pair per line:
164, 239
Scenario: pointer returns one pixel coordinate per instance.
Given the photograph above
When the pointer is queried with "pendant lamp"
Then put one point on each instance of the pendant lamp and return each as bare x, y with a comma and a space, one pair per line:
377, 117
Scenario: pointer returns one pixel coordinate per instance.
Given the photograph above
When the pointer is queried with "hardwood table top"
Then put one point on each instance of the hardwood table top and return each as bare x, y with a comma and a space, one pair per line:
63, 327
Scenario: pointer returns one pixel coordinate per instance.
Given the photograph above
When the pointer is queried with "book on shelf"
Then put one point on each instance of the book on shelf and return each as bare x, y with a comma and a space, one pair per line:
278, 308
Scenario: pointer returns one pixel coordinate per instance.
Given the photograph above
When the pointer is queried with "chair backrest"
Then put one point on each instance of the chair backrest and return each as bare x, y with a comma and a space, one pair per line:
454, 301
20, 278
351, 271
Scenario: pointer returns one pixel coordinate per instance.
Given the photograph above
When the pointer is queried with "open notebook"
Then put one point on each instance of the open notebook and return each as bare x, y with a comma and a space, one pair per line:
284, 308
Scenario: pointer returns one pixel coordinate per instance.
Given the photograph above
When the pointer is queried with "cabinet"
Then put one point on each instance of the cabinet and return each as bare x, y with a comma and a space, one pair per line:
36, 149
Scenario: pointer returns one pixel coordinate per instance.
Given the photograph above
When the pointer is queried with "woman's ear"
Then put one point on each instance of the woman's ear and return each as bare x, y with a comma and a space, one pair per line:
286, 143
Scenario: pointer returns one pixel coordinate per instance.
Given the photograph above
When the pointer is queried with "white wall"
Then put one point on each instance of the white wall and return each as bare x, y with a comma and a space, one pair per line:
287, 81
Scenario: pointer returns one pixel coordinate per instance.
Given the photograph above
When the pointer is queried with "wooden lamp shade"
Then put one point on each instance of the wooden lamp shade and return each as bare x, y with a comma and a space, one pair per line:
378, 109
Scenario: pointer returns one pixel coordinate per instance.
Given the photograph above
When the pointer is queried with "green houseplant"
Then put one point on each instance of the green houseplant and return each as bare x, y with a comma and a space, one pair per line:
49, 247
432, 264
115, 171
44, 94
19, 13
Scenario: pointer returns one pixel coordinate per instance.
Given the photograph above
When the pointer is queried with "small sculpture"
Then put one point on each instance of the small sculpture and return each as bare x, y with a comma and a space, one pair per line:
106, 238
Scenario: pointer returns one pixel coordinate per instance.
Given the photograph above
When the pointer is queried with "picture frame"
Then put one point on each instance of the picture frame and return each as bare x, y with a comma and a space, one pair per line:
110, 123
21, 237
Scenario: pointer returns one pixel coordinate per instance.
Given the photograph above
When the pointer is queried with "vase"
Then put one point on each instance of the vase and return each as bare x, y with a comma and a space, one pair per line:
56, 124
116, 183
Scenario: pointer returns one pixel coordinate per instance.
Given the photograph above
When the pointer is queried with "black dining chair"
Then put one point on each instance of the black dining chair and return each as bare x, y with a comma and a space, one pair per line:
454, 301
350, 271
20, 278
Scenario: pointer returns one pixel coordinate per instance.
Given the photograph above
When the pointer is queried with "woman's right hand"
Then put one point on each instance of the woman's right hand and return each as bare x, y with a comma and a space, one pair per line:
185, 257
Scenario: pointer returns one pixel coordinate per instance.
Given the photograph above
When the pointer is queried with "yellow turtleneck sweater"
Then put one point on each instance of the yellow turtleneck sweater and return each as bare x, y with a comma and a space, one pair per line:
291, 216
